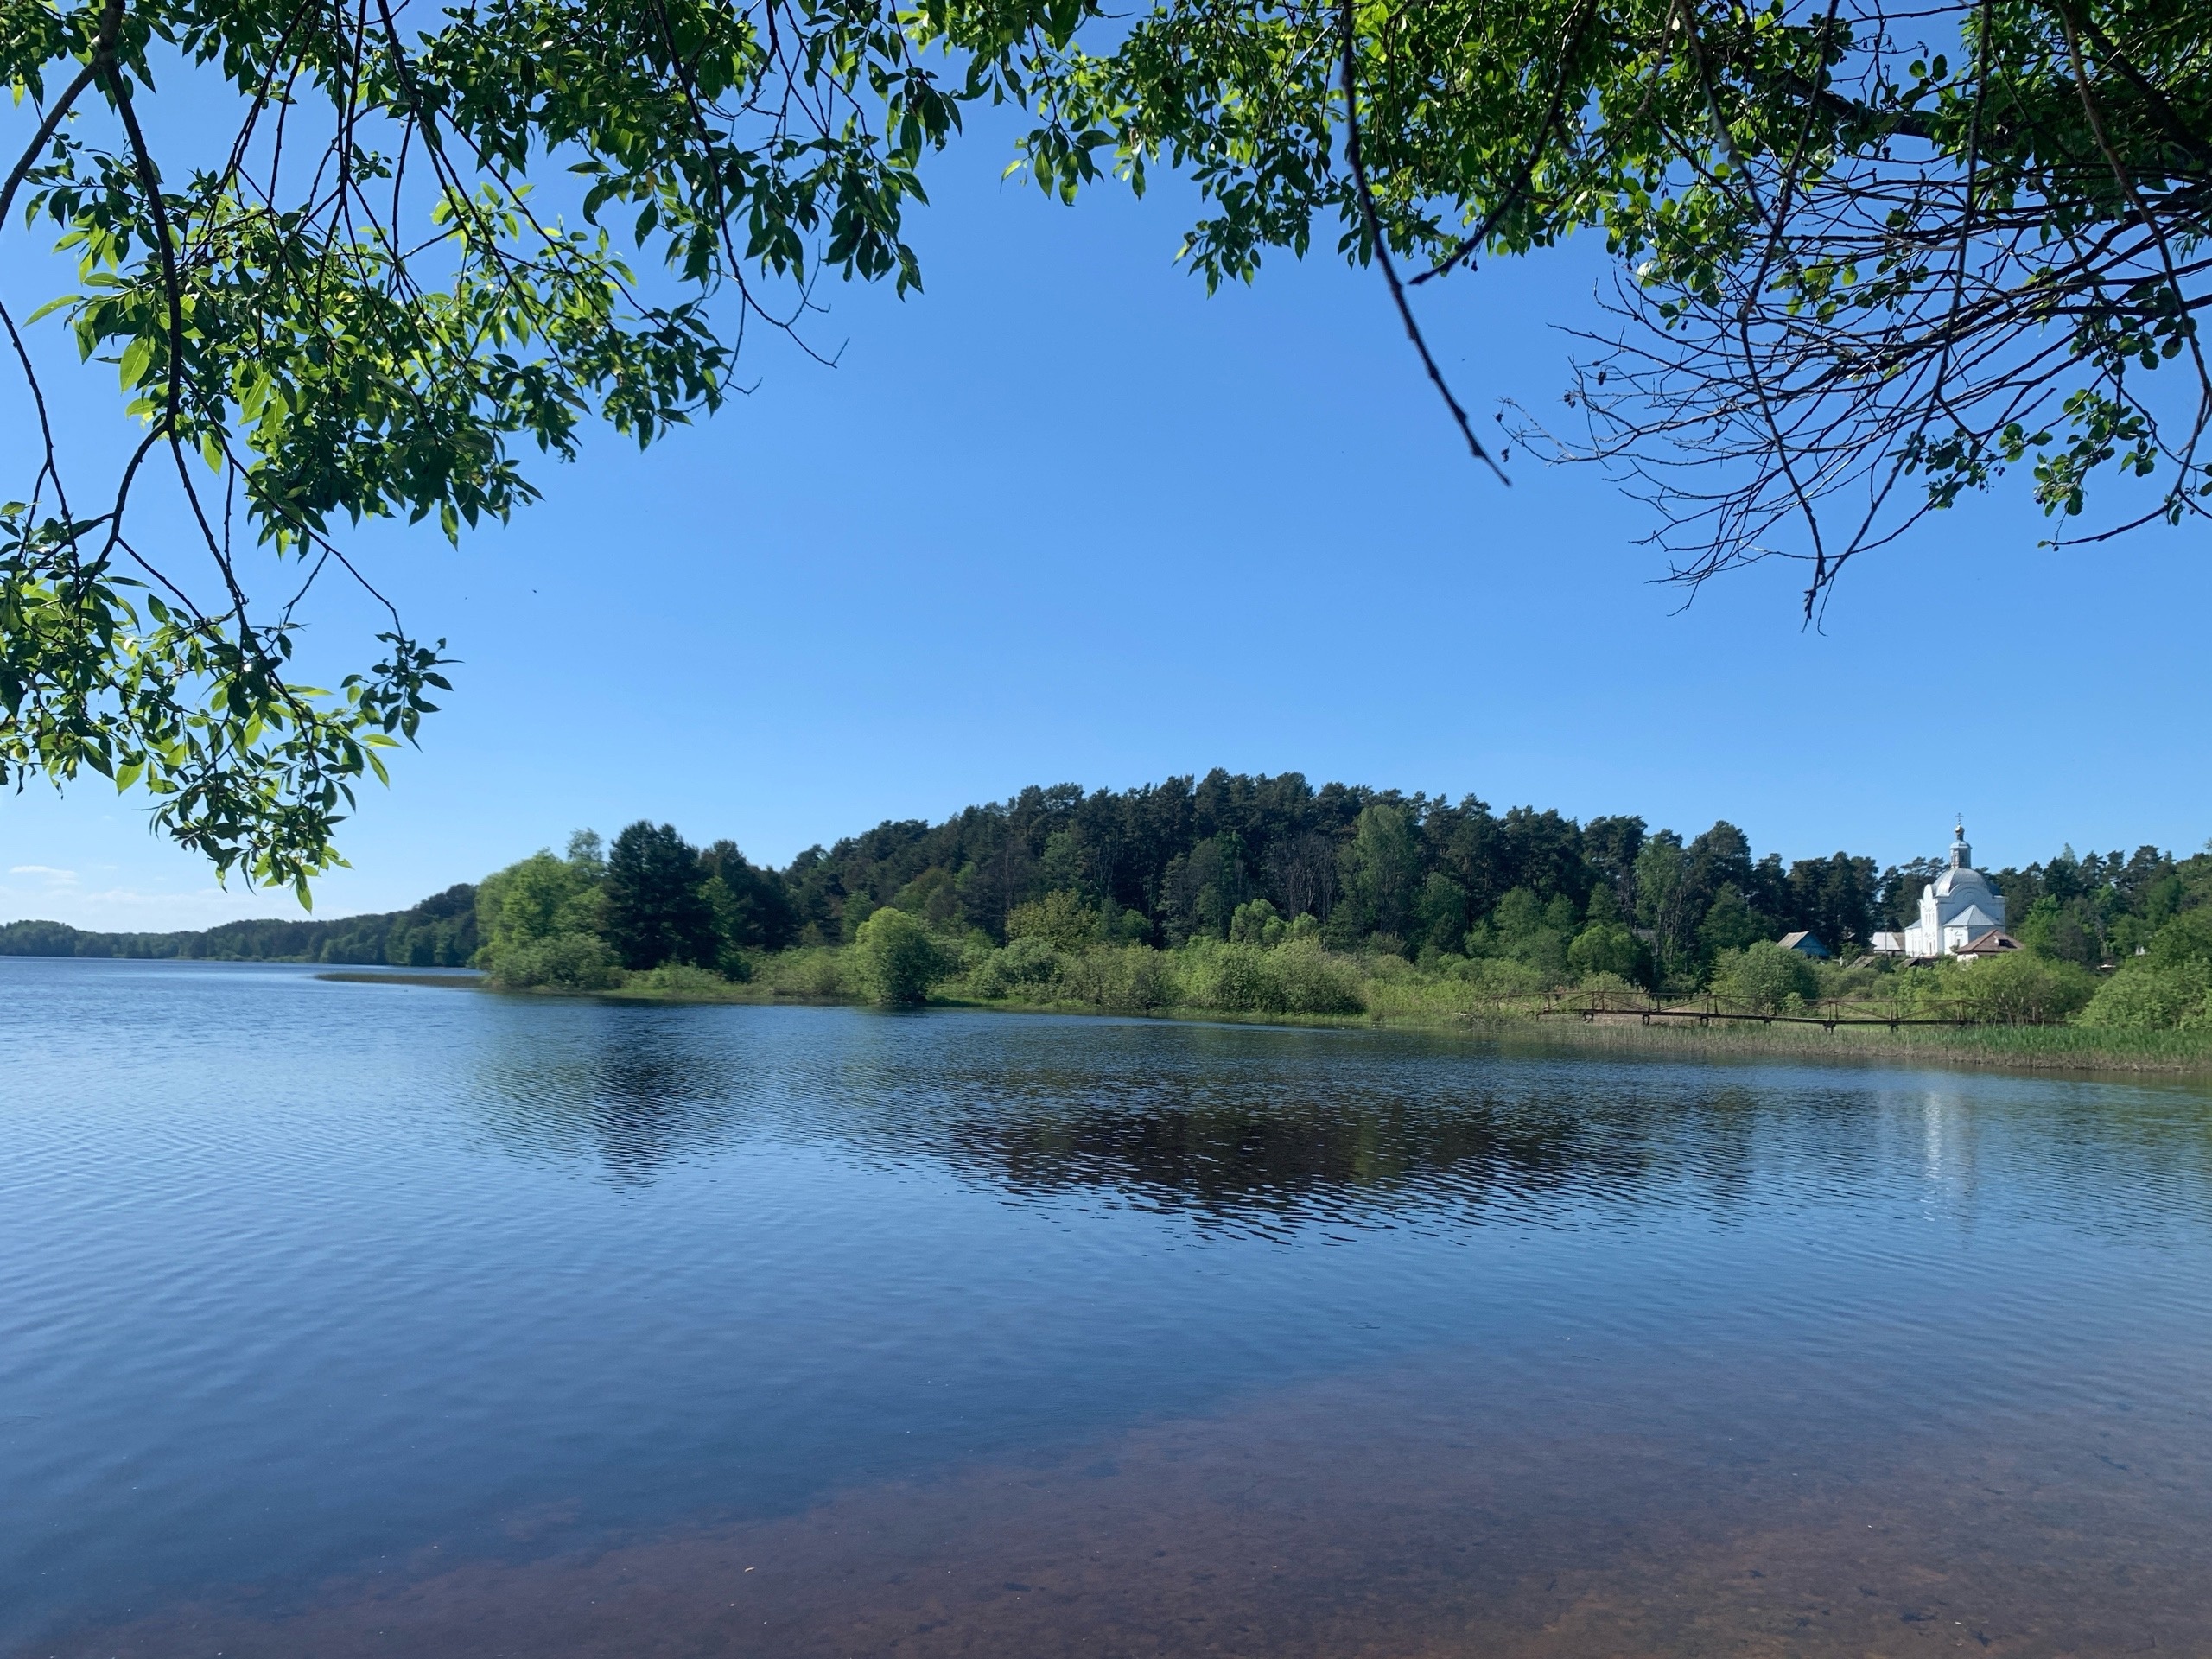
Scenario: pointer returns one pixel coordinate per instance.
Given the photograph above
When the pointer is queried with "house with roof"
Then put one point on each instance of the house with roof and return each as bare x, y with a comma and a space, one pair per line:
1961, 914
1805, 945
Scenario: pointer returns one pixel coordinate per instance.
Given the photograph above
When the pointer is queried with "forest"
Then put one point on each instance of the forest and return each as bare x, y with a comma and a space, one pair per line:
1260, 894
438, 932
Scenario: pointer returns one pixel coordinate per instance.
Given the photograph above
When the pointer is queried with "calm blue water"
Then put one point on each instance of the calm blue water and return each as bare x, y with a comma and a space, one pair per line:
340, 1318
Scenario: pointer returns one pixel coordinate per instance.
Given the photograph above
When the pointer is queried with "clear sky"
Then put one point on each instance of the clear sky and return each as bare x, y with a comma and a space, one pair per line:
1064, 517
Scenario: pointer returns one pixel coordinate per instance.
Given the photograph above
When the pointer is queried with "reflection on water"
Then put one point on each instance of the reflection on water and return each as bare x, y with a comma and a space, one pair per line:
349, 1317
633, 1095
1235, 1124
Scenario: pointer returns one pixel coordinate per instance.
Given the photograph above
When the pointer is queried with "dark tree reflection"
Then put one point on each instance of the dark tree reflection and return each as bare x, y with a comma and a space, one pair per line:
1277, 1129
637, 1088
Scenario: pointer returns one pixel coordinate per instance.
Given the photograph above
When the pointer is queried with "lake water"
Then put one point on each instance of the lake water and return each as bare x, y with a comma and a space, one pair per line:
345, 1319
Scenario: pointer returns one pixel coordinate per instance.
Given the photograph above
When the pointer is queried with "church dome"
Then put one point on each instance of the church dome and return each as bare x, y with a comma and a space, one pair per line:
1961, 878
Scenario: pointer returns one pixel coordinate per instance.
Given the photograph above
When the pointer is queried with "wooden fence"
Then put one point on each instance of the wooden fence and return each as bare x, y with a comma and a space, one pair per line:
1827, 1013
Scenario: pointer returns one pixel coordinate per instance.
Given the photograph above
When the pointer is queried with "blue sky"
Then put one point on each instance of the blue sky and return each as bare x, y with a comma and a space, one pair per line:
1062, 516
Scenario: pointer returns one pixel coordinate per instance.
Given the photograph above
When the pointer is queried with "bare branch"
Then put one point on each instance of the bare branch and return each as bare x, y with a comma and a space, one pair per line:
1381, 245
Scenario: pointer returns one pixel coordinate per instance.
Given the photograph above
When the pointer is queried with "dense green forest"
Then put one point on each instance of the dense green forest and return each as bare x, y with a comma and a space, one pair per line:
1266, 894
438, 932
1261, 894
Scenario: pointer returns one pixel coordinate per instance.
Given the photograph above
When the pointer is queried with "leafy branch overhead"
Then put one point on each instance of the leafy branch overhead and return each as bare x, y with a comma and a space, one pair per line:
1872, 258
1869, 262
426, 247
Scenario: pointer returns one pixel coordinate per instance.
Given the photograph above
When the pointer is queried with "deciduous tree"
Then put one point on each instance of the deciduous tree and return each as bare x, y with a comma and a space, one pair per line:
374, 262
1872, 258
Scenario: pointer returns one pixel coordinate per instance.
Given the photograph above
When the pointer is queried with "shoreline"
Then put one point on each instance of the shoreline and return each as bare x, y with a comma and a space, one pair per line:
2080, 1050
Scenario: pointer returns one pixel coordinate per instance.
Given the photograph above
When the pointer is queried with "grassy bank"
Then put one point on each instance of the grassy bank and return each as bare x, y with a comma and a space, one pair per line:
2032, 1048
1223, 982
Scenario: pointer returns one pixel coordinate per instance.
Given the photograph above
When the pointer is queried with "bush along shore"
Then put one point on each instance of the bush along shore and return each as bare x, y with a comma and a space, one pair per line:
652, 917
895, 964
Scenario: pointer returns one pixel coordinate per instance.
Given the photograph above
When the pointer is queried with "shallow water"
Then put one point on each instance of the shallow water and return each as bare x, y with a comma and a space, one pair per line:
341, 1318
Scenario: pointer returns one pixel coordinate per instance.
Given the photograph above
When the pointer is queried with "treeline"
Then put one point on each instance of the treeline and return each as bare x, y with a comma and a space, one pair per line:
1261, 893
1060, 895
438, 932
1377, 869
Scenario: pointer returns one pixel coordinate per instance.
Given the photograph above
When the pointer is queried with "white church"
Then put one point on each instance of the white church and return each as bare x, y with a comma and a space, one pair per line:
1961, 914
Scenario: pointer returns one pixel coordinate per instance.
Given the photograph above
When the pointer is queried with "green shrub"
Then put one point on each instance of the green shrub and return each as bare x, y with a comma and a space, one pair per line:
1868, 976
1763, 978
1230, 977
2185, 942
2168, 986
1612, 982
1307, 981
1488, 977
815, 971
1533, 933
1380, 961
2022, 990
1134, 979
897, 959
1608, 948
1028, 969
679, 976
567, 961
1296, 977
2141, 996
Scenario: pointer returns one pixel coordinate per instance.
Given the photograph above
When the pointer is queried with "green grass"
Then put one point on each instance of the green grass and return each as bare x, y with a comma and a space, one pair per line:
2039, 1048
1398, 997
2070, 1048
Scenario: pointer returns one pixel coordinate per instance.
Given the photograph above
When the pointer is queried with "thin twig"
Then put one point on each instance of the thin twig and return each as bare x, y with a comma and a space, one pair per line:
103, 56
1376, 240
1474, 239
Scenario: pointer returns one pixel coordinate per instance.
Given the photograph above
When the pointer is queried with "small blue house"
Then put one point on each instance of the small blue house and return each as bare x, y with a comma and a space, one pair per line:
1804, 945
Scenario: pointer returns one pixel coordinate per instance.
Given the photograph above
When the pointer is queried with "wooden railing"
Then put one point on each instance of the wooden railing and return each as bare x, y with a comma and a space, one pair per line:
1826, 1012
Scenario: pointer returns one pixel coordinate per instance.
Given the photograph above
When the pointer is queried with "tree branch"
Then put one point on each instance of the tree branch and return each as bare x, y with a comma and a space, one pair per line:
1513, 198
1382, 250
2155, 101
103, 53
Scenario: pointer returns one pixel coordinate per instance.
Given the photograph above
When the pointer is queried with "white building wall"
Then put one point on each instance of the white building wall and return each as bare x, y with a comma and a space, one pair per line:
1925, 936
